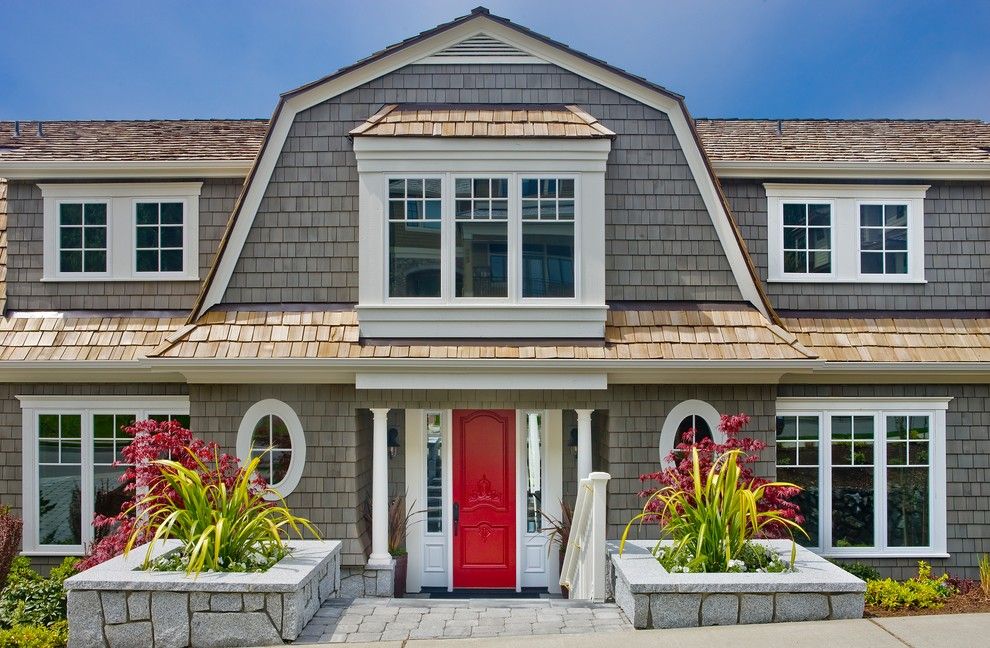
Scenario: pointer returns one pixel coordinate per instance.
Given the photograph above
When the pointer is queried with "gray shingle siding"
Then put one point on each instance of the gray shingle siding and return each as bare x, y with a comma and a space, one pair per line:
957, 255
660, 243
26, 291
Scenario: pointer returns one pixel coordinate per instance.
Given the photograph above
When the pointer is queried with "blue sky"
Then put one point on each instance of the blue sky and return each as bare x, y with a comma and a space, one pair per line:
738, 58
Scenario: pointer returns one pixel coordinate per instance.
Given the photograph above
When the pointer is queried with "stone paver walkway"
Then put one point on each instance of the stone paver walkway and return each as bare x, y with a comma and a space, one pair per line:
369, 619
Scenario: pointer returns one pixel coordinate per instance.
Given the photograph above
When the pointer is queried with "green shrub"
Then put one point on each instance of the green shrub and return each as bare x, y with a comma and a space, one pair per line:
922, 591
860, 570
711, 520
29, 636
31, 600
221, 527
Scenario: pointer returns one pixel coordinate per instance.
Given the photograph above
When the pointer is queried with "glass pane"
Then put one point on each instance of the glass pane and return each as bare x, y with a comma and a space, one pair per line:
500, 209
530, 188
807, 500
896, 427
548, 260
481, 259
481, 187
808, 427
795, 262
432, 188
895, 239
871, 239
147, 237
548, 188
280, 460
820, 215
59, 510
95, 237
852, 507
794, 214
462, 187
48, 426
95, 214
786, 453
918, 427
396, 209
795, 238
462, 209
414, 188
47, 451
95, 261
70, 214
918, 453
787, 427
171, 261
565, 210
863, 428
896, 263
434, 474
895, 215
808, 453
896, 453
171, 213
530, 209
907, 507
171, 237
872, 262
109, 493
70, 261
147, 260
103, 426
146, 214
500, 187
261, 437
871, 215
820, 261
414, 259
565, 188
396, 188
70, 237
819, 238
71, 426
280, 434
534, 473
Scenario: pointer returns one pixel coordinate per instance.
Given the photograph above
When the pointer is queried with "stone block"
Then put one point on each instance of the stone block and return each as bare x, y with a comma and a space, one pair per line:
129, 635
85, 619
352, 586
755, 608
675, 610
114, 607
254, 602
846, 606
231, 629
800, 607
636, 606
199, 601
273, 606
720, 609
170, 616
139, 606
226, 602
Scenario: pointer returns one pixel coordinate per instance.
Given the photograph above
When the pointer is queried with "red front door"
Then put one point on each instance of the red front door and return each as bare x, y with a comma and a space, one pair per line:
484, 464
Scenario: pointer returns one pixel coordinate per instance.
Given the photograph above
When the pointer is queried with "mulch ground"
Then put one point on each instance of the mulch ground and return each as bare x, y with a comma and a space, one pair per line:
972, 601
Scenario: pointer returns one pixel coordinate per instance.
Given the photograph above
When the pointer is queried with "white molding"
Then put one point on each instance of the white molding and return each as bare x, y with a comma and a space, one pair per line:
85, 407
845, 201
523, 380
297, 436
90, 169
479, 60
121, 200
321, 91
678, 414
879, 409
852, 170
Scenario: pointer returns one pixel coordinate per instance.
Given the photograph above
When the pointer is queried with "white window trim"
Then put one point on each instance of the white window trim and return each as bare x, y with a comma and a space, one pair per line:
297, 437
86, 407
684, 409
514, 316
845, 200
824, 409
121, 200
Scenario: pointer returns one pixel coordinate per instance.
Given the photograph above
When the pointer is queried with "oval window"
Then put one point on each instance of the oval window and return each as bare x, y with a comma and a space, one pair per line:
689, 415
271, 430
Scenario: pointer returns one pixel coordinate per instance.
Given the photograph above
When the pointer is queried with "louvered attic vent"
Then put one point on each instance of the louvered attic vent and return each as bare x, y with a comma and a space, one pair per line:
481, 45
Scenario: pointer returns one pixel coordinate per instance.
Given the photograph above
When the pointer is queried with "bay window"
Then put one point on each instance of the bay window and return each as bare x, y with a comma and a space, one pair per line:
70, 447
872, 473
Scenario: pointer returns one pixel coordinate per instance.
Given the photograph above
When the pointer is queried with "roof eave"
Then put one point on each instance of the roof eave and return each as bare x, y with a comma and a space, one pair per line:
761, 169
86, 169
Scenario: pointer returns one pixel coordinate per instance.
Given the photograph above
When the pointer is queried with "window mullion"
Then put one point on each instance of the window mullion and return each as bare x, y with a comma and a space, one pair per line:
86, 467
825, 462
448, 227
880, 477
515, 239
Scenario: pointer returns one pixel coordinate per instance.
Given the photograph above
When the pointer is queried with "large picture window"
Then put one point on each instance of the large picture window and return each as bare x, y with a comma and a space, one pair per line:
498, 238
70, 447
873, 474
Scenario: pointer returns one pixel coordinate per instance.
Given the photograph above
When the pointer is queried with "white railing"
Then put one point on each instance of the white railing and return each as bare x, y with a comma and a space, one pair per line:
583, 571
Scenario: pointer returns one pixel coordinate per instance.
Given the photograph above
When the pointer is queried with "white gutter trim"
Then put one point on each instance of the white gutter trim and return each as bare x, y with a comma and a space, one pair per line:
853, 170
78, 169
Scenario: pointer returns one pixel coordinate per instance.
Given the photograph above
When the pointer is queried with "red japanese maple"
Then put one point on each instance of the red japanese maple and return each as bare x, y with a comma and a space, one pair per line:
679, 467
156, 440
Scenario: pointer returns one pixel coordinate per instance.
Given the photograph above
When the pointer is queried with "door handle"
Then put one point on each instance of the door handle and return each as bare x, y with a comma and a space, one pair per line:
457, 516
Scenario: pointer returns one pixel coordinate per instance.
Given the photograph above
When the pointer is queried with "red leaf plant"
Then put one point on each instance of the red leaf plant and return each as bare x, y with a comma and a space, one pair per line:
678, 471
155, 440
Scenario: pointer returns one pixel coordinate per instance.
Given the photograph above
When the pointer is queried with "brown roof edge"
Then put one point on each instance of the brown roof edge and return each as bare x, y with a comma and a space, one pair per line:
757, 281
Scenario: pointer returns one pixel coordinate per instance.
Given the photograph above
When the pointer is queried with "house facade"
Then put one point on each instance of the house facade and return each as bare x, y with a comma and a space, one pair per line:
476, 266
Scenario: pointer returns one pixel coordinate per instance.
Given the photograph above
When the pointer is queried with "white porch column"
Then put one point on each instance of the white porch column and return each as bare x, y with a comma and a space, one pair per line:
584, 443
380, 557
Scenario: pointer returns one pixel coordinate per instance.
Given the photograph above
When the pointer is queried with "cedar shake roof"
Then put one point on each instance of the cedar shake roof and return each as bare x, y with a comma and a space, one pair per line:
49, 337
742, 334
895, 339
138, 141
840, 140
481, 120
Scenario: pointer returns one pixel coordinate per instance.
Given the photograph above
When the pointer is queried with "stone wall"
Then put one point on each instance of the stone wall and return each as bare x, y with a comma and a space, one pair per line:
653, 598
116, 606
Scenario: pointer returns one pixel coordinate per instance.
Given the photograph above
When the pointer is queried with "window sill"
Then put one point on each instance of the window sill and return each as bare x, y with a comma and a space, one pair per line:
500, 321
105, 279
850, 280
42, 553
917, 553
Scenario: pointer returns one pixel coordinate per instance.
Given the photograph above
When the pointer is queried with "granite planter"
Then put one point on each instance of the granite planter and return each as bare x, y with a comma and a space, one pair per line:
118, 605
654, 598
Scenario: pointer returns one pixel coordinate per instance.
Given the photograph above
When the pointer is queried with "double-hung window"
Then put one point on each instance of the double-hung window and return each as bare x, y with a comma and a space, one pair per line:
872, 474
846, 233
121, 231
71, 446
